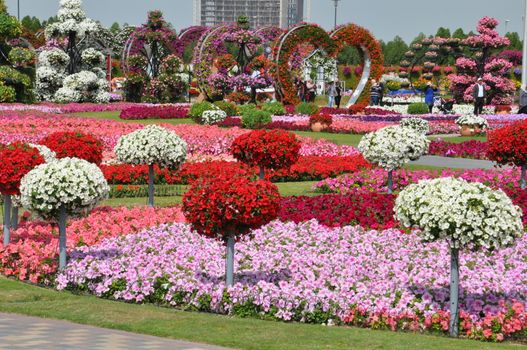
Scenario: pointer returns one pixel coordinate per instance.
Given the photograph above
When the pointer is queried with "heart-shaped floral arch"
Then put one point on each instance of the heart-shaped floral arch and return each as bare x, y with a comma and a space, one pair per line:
331, 44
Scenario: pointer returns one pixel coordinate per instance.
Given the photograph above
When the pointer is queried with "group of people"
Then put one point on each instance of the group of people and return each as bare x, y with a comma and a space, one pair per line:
376, 93
334, 92
479, 93
307, 90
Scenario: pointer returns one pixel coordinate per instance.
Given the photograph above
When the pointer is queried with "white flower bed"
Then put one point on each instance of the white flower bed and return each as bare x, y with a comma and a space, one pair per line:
469, 109
401, 109
420, 125
70, 182
472, 120
464, 213
213, 116
152, 145
393, 146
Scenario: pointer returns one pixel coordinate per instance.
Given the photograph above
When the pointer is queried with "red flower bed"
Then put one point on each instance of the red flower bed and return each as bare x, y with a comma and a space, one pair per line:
508, 145
333, 111
17, 159
367, 209
154, 112
275, 149
230, 205
75, 144
321, 118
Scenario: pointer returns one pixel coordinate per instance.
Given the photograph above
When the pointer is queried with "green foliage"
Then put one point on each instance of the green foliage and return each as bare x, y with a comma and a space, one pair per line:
307, 108
3, 7
243, 108
394, 51
275, 108
32, 24
198, 108
21, 56
134, 88
115, 28
418, 108
349, 56
459, 34
255, 118
7, 93
20, 82
516, 42
228, 107
9, 27
443, 32
393, 85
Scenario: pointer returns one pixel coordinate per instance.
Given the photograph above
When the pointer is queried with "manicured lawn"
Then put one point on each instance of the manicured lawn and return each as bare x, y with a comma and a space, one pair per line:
459, 139
21, 298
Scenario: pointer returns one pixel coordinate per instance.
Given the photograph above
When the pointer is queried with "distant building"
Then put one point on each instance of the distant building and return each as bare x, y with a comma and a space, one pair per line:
261, 13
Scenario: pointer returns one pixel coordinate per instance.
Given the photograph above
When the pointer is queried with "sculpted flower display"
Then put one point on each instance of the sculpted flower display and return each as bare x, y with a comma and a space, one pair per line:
422, 126
74, 145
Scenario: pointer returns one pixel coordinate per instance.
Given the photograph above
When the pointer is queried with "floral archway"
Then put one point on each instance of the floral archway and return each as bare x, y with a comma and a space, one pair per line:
187, 37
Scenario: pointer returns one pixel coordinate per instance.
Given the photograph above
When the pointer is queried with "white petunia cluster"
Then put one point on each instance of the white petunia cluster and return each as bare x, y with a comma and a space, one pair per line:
72, 183
463, 213
473, 120
48, 155
420, 125
393, 146
92, 57
213, 116
152, 145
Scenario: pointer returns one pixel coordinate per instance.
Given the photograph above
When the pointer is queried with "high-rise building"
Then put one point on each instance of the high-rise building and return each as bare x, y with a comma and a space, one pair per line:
261, 13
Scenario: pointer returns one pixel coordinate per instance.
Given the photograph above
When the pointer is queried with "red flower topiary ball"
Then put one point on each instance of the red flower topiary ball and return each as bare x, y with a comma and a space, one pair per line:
223, 206
17, 159
270, 149
508, 145
75, 145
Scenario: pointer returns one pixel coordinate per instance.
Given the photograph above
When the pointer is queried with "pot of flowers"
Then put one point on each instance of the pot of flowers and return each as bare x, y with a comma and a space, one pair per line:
471, 125
320, 122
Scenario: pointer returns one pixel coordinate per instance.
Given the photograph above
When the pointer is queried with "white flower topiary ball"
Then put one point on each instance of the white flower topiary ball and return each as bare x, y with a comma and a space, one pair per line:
152, 145
70, 182
420, 125
213, 116
464, 213
393, 146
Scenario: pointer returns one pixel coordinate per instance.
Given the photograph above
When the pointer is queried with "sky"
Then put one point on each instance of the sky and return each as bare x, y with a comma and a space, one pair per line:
385, 18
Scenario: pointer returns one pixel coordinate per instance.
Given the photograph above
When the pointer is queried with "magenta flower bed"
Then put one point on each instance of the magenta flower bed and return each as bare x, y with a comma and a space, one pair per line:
469, 149
305, 272
154, 112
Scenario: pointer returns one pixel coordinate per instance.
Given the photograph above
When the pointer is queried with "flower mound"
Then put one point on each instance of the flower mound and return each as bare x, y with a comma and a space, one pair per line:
393, 146
420, 125
17, 160
74, 145
71, 182
274, 149
217, 207
473, 120
152, 145
508, 145
213, 116
307, 272
464, 213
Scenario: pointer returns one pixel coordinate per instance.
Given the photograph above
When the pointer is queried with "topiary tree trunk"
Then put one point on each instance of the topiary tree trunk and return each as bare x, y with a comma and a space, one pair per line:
262, 173
63, 217
7, 219
454, 293
523, 180
151, 185
14, 218
390, 181
229, 261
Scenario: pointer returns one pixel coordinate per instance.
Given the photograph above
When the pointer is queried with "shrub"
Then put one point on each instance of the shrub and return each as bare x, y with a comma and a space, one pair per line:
228, 107
307, 108
255, 118
418, 108
243, 108
197, 109
7, 94
275, 108
75, 145
393, 85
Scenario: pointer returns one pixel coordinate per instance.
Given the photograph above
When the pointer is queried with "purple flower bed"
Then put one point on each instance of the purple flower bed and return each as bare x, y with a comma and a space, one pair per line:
304, 272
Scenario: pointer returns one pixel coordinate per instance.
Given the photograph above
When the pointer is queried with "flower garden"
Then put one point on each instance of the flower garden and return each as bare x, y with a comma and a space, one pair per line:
250, 203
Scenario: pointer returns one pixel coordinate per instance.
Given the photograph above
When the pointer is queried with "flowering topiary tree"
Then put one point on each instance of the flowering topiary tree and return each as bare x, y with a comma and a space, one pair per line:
508, 145
66, 187
267, 149
493, 70
74, 145
70, 68
467, 215
228, 208
17, 160
392, 147
420, 125
152, 145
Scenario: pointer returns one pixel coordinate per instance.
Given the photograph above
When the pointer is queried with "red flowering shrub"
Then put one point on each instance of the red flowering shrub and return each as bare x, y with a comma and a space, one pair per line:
154, 112
508, 145
16, 160
274, 149
364, 208
357, 108
325, 119
75, 144
227, 205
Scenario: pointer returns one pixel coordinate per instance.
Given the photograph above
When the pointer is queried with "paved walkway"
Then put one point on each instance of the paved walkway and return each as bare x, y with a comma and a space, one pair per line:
22, 332
455, 163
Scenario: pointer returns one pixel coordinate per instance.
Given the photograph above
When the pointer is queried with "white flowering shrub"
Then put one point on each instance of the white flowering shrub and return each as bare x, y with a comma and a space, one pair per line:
152, 145
393, 146
70, 182
473, 120
92, 58
48, 155
420, 125
54, 58
213, 116
463, 213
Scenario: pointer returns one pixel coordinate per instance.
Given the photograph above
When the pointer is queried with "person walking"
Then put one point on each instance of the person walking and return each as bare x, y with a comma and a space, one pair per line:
429, 96
479, 93
310, 86
381, 93
338, 97
374, 93
332, 92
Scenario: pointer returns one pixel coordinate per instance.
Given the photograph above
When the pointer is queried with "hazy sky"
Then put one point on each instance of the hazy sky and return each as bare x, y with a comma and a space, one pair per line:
385, 18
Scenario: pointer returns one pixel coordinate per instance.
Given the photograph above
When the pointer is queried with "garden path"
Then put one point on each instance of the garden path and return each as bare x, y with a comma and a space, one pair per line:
455, 163
22, 332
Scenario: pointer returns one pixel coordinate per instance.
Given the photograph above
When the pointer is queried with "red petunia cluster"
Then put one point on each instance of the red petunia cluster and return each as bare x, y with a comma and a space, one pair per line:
75, 145
154, 112
270, 149
325, 119
230, 205
508, 145
18, 159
